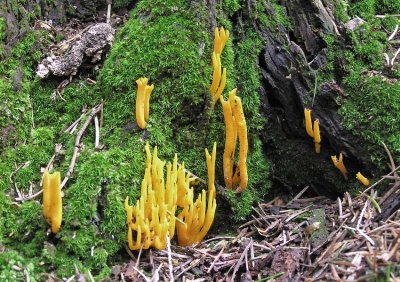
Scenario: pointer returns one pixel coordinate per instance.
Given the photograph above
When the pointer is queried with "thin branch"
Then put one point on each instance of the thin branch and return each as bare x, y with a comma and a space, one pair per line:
77, 145
394, 33
97, 132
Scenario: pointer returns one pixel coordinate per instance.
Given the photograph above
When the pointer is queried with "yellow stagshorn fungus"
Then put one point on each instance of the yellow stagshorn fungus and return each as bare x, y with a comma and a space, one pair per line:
339, 164
235, 126
363, 180
52, 202
219, 81
143, 101
313, 132
220, 38
241, 170
230, 140
152, 219
307, 115
196, 218
149, 89
219, 77
317, 136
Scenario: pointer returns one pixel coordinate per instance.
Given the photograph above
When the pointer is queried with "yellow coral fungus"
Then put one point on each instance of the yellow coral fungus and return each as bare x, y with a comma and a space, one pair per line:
140, 101
317, 136
153, 216
307, 115
219, 81
52, 201
339, 164
313, 131
196, 217
149, 89
216, 60
363, 180
230, 140
221, 88
243, 144
235, 126
220, 38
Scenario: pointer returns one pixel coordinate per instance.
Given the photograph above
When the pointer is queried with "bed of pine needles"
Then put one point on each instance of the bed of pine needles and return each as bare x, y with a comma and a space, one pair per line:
305, 239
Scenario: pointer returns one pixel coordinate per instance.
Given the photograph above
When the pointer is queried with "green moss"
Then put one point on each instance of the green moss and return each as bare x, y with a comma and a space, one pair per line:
341, 11
372, 114
16, 108
169, 42
231, 6
367, 9
372, 100
9, 260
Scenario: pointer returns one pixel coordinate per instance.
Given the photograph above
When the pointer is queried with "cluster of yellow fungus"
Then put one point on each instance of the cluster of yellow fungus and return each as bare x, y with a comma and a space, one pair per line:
339, 164
313, 130
153, 216
196, 217
219, 76
52, 202
235, 125
143, 101
152, 219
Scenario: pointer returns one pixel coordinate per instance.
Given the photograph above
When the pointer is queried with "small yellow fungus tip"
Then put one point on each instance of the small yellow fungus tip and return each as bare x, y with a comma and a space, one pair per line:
307, 116
317, 136
340, 165
363, 180
143, 101
220, 38
52, 201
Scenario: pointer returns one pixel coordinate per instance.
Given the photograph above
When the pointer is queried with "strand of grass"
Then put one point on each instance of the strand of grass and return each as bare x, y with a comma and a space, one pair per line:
277, 275
315, 90
97, 132
375, 203
394, 33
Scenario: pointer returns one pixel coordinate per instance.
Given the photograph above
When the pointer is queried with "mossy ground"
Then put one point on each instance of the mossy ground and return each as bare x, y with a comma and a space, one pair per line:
371, 108
170, 43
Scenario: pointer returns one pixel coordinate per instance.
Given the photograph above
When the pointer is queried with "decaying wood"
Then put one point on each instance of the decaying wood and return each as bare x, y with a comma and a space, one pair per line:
90, 46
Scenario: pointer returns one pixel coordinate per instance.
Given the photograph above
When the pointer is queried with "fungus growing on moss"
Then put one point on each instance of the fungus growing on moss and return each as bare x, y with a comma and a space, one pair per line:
152, 219
196, 217
143, 101
52, 201
363, 180
230, 141
153, 216
149, 89
235, 126
339, 164
218, 83
220, 38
